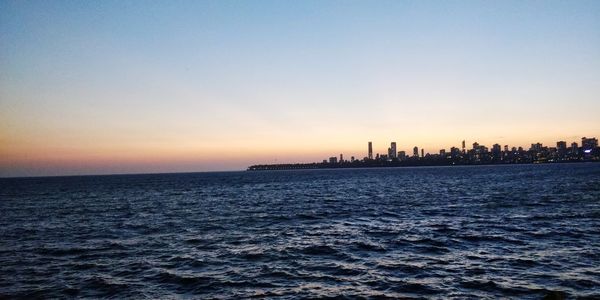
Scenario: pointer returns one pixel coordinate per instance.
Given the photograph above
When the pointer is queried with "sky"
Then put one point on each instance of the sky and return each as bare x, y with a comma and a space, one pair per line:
103, 87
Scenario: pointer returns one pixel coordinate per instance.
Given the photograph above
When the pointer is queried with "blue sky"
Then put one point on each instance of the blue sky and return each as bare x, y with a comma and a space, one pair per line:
128, 86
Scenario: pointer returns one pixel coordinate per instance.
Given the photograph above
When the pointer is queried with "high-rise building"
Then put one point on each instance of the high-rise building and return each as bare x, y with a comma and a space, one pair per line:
422, 152
574, 148
561, 148
401, 155
463, 146
455, 152
443, 152
370, 155
416, 151
393, 151
497, 151
536, 147
505, 148
333, 160
341, 157
588, 143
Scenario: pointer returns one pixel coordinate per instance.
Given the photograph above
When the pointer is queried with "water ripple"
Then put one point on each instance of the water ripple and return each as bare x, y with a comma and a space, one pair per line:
462, 232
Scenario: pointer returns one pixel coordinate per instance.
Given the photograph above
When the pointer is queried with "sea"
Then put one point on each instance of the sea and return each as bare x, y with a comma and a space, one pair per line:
461, 232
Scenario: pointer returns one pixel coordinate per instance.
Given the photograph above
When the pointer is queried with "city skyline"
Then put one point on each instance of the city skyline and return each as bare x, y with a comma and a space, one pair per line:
584, 142
477, 154
112, 87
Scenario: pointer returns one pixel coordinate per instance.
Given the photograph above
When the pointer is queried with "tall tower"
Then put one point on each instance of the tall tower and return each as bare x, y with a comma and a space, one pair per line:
393, 152
422, 152
370, 155
416, 151
463, 146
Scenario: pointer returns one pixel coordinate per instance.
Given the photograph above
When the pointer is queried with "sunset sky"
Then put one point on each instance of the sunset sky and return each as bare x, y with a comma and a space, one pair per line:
101, 87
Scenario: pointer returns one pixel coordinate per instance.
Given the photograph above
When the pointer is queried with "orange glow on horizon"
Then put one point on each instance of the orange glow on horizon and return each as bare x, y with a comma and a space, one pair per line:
221, 154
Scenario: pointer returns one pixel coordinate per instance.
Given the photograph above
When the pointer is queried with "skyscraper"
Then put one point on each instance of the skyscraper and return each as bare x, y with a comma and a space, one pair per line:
393, 152
370, 155
416, 151
422, 152
463, 146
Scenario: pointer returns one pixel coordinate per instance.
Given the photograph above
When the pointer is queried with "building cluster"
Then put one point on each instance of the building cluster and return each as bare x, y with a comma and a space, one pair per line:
587, 150
479, 154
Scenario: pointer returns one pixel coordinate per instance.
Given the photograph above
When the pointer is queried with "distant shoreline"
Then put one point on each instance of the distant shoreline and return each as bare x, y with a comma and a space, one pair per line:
392, 164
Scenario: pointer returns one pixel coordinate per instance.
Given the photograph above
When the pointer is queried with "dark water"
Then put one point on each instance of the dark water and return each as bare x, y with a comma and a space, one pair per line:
442, 232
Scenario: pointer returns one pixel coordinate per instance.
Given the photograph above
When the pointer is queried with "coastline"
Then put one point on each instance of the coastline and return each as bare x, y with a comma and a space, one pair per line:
394, 164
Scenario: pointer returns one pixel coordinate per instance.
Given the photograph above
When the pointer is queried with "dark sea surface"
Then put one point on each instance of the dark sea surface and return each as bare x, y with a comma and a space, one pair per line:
432, 232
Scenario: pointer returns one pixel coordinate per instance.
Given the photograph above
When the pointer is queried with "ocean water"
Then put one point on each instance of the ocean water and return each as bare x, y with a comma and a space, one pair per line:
433, 232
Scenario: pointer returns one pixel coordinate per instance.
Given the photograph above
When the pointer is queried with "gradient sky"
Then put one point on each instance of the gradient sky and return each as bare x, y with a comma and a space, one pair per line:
95, 87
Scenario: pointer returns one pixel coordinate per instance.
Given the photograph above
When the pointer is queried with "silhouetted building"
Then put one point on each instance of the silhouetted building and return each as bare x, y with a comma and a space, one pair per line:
561, 148
463, 147
370, 153
496, 151
588, 152
537, 147
401, 155
588, 143
455, 152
